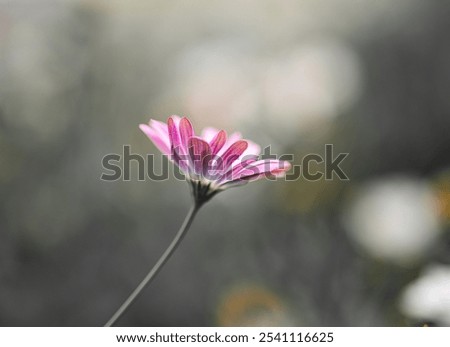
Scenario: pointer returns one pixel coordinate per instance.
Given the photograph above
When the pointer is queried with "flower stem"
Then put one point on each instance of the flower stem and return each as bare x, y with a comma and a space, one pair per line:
154, 271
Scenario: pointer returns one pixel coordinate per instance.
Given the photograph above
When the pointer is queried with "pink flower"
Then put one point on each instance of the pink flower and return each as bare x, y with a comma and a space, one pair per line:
212, 162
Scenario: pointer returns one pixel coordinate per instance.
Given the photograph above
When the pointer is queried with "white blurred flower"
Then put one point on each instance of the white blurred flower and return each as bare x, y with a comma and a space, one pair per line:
307, 86
313, 83
428, 297
394, 219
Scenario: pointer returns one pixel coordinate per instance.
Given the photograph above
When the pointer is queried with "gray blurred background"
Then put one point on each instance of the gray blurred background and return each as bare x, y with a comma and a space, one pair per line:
370, 77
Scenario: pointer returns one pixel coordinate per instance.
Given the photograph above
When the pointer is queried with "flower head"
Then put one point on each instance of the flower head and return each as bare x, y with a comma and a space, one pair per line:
213, 161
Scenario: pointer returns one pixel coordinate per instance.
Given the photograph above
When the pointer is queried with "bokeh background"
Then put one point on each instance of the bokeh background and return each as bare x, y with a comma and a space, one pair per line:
370, 77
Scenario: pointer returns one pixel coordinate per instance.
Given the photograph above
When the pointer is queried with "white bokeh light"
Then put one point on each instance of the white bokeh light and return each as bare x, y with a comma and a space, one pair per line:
395, 219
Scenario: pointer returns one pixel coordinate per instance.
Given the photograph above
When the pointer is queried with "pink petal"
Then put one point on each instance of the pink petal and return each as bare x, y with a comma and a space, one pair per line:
230, 140
260, 168
177, 149
218, 141
256, 171
175, 141
232, 154
237, 168
159, 138
186, 131
176, 119
159, 126
200, 154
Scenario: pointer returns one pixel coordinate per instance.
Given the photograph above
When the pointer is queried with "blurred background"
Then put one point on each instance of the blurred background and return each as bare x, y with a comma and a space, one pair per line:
370, 77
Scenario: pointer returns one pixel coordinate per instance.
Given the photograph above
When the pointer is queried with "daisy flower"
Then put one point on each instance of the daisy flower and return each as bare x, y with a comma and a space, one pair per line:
212, 161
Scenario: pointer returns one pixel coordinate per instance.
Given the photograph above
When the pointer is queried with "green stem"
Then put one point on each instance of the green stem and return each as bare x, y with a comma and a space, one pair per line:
154, 271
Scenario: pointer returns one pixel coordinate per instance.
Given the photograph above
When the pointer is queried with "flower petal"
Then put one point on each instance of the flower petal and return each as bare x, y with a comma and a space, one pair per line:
262, 168
159, 126
175, 141
179, 155
218, 141
237, 168
236, 136
200, 155
255, 171
176, 119
232, 154
186, 131
159, 138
